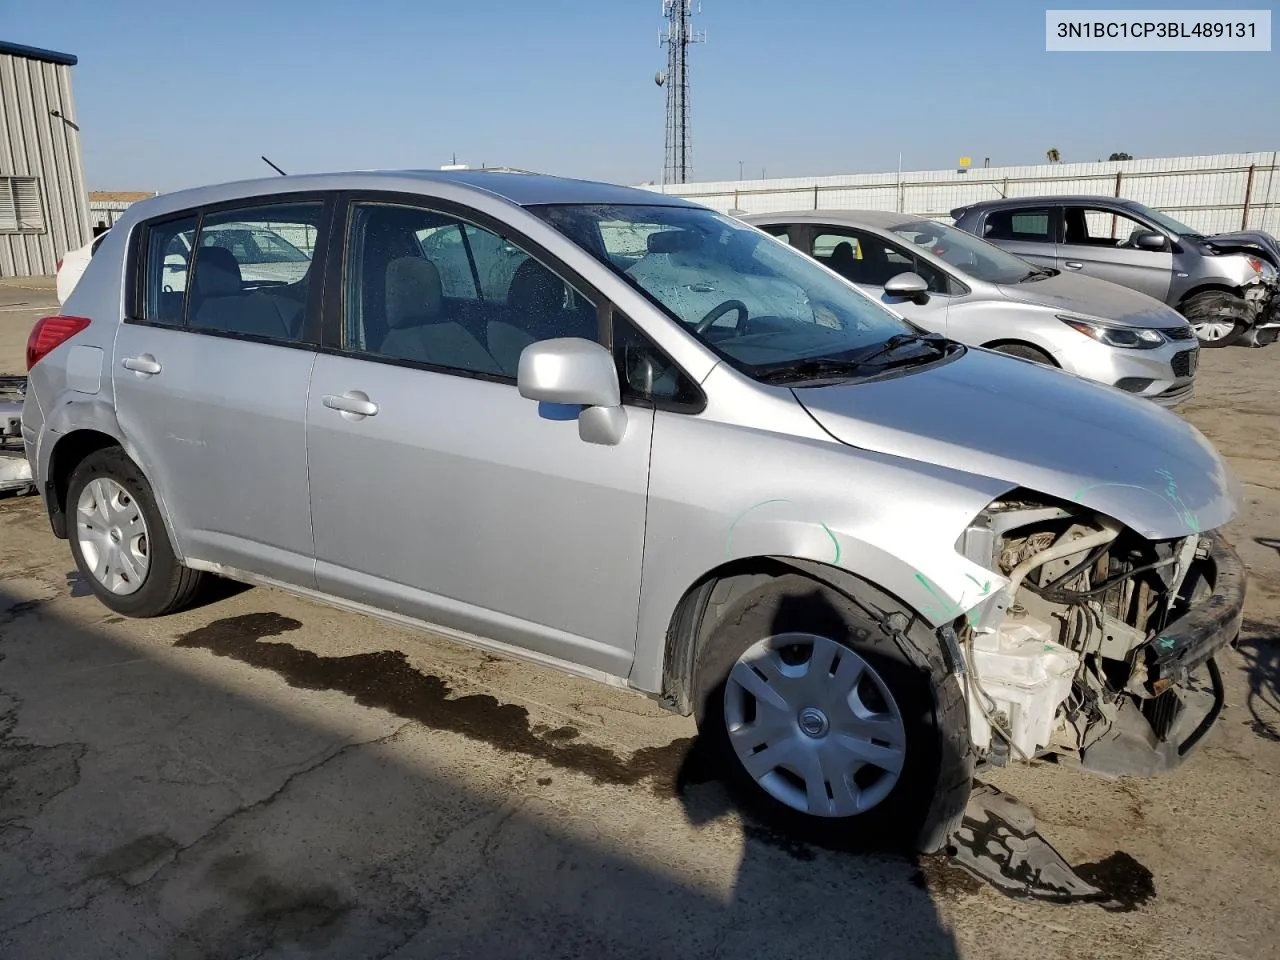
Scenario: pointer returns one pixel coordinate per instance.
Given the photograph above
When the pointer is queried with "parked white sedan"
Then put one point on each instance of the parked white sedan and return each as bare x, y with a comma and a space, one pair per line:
72, 265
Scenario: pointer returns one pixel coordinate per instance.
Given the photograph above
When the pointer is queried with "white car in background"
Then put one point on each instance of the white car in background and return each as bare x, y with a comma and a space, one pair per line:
72, 265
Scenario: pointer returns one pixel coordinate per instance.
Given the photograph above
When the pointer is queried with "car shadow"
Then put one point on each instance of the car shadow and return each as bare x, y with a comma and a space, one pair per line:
162, 804
1272, 543
1259, 645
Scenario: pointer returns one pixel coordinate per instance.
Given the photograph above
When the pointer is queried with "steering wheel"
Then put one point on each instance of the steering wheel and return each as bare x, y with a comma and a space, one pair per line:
719, 311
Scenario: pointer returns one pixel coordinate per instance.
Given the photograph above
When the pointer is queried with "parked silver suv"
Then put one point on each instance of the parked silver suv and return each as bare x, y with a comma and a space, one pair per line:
865, 558
1225, 284
945, 280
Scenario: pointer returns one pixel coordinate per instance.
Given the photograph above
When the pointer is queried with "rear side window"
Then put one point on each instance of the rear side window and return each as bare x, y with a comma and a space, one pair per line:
244, 272
1030, 225
167, 258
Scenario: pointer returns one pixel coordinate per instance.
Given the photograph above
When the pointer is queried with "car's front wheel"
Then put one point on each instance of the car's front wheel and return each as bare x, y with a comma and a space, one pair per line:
119, 541
1218, 318
832, 723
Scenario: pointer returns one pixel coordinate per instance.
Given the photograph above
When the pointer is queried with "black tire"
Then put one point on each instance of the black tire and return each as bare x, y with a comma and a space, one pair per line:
927, 803
1024, 351
168, 586
1216, 305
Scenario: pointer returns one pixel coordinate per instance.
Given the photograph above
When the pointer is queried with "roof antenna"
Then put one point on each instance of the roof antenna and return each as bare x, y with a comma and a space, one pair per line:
274, 167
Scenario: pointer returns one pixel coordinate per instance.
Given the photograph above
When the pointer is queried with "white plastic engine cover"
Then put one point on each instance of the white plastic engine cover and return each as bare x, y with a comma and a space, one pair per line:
1027, 675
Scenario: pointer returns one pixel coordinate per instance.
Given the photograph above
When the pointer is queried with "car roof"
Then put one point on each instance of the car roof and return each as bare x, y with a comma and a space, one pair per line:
521, 189
878, 219
1091, 199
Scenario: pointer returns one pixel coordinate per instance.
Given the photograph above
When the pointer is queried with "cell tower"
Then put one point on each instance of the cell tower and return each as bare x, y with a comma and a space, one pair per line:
678, 163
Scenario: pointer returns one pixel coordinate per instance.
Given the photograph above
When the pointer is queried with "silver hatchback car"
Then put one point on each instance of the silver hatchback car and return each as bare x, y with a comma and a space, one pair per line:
498, 405
949, 281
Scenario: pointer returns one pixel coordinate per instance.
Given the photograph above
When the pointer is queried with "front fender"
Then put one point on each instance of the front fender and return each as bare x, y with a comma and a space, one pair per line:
757, 495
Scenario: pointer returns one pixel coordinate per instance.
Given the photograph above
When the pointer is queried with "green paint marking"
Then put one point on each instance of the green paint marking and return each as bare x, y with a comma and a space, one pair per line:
728, 546
835, 543
984, 587
1168, 495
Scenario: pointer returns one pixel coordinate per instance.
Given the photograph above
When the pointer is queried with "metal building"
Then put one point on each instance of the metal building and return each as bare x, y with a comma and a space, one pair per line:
44, 208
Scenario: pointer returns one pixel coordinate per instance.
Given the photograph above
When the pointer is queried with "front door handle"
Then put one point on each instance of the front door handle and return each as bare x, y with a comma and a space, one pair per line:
145, 365
354, 404
1073, 265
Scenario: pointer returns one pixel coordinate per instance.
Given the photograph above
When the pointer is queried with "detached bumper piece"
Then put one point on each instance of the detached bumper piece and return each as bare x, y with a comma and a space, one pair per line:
15, 472
1183, 683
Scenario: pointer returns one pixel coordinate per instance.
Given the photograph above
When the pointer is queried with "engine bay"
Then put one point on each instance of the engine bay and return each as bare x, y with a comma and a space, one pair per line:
1067, 656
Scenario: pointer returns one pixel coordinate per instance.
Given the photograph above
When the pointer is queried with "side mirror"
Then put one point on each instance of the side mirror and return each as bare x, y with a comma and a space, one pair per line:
570, 370
1150, 240
907, 286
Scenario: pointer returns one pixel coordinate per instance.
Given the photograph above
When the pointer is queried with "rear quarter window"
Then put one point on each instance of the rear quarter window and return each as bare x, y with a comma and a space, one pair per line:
1031, 225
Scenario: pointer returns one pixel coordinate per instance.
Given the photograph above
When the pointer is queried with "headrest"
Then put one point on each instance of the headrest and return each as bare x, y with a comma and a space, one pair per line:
535, 289
217, 273
414, 294
843, 251
673, 241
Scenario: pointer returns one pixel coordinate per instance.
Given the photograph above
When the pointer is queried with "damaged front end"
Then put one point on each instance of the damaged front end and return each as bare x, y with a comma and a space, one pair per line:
1096, 647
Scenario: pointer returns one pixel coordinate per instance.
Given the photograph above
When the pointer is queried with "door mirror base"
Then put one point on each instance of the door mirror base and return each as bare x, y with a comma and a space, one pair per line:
603, 425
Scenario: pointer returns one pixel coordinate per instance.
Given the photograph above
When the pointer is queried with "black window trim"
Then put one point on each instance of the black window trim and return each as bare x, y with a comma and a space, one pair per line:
334, 295
1055, 221
136, 266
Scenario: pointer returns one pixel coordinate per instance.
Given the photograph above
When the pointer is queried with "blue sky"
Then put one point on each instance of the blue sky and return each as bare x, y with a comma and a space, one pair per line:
176, 94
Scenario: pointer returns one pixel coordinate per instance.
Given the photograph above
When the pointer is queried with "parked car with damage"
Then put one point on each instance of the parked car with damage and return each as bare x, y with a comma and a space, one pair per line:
1225, 284
947, 281
864, 557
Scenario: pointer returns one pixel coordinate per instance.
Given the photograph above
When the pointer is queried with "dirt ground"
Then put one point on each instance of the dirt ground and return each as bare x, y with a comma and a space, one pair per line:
263, 776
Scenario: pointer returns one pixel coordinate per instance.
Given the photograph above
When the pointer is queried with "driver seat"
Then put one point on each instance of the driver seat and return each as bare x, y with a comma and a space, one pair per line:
842, 260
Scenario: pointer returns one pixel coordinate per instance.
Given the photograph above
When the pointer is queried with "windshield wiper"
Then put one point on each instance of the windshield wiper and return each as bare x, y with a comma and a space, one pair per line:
1037, 273
817, 368
935, 342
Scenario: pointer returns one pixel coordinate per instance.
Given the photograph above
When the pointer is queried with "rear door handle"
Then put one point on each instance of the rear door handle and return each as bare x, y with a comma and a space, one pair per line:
1073, 265
146, 364
352, 404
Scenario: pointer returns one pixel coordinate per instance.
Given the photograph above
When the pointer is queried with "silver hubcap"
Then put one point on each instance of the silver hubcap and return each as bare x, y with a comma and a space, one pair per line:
1213, 330
113, 536
814, 725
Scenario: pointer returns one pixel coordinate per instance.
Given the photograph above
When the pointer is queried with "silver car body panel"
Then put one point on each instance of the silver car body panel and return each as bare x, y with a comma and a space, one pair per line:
1186, 269
990, 313
463, 506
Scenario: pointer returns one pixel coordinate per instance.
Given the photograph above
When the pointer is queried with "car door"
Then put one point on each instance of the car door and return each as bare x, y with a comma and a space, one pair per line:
1098, 242
438, 492
870, 260
210, 383
1029, 232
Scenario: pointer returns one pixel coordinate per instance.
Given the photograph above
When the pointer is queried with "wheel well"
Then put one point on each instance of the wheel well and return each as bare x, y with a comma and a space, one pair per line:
1009, 342
1209, 288
68, 454
706, 602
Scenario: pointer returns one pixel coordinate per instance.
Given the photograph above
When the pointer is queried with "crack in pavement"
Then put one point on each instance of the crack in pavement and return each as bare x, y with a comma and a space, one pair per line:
112, 883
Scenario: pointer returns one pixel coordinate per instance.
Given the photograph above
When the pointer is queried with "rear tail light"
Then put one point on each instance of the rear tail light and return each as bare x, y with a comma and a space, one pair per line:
58, 268
49, 333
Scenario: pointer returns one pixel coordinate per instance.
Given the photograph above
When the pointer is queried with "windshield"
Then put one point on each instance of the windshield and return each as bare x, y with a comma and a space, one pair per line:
758, 302
1170, 224
967, 253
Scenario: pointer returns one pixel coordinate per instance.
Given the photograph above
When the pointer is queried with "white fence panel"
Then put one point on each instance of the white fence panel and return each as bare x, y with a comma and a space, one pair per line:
1210, 193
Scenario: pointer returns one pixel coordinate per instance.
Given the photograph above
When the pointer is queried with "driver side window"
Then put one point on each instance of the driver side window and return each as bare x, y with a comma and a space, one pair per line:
864, 258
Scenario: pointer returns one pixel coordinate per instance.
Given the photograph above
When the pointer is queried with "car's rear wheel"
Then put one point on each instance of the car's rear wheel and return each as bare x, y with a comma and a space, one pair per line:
831, 724
119, 541
1219, 319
